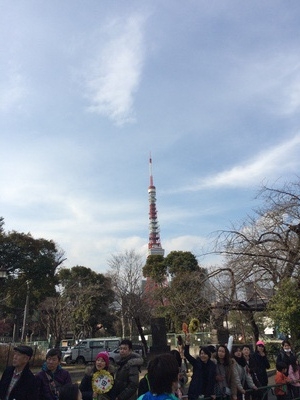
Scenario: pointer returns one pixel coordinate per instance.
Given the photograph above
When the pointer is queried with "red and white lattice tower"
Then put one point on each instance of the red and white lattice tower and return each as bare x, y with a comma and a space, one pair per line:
154, 245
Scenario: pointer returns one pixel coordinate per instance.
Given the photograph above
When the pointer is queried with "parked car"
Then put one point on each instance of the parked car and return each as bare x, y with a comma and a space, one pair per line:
86, 350
67, 355
114, 355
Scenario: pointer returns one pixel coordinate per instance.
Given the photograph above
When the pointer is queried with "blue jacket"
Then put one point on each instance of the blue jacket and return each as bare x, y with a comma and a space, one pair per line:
164, 396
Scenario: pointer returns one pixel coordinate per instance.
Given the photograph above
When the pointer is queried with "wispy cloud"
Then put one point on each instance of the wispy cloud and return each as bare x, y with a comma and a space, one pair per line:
269, 164
115, 74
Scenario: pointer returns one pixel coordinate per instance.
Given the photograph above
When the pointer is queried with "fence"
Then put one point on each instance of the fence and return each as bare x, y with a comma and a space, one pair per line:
39, 353
263, 393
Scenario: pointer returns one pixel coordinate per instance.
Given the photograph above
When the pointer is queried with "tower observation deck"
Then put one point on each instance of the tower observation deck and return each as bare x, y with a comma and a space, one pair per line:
154, 245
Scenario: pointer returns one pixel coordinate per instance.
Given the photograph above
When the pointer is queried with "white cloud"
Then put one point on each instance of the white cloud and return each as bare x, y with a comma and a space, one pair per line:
184, 243
268, 164
115, 74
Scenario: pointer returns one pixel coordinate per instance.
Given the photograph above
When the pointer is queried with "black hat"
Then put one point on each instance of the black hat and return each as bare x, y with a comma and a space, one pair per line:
24, 350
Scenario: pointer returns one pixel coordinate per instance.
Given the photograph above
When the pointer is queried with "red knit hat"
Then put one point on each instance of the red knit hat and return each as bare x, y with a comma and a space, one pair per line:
103, 355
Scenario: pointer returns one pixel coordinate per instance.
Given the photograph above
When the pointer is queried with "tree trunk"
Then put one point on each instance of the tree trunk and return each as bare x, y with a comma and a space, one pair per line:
141, 332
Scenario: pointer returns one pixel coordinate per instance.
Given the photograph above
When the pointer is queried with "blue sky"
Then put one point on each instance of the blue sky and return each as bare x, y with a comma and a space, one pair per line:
89, 88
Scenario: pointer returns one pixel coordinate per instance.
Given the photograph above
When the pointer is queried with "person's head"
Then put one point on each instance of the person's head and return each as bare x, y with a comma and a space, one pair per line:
179, 340
53, 358
236, 352
246, 351
125, 348
163, 374
281, 367
102, 361
70, 391
223, 356
286, 346
177, 356
21, 356
260, 347
212, 350
204, 354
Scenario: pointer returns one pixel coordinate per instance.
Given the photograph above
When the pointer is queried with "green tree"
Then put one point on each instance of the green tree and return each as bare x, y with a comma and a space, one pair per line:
30, 263
284, 308
89, 296
155, 268
178, 262
188, 296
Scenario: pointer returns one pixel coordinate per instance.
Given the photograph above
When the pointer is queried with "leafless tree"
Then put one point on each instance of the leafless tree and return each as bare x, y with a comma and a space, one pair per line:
266, 248
126, 277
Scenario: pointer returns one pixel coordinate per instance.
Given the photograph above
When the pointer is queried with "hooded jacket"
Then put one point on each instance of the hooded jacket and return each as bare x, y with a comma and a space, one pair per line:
127, 377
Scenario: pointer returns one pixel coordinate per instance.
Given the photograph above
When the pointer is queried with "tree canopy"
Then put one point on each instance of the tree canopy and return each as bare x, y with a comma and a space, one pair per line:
181, 262
284, 308
27, 259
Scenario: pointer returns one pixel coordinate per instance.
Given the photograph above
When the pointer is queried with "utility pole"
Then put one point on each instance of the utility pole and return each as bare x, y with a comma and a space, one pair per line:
25, 313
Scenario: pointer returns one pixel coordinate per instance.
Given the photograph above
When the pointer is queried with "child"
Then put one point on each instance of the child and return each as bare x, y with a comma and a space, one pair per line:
281, 379
294, 375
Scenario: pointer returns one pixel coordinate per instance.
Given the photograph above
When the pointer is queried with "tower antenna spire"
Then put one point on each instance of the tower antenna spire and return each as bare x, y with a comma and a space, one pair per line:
154, 244
150, 170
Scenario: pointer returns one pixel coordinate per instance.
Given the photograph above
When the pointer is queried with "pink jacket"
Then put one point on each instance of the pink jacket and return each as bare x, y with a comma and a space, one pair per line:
294, 376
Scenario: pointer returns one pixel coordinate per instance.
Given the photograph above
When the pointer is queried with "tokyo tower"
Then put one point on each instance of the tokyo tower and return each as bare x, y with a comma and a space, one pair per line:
154, 245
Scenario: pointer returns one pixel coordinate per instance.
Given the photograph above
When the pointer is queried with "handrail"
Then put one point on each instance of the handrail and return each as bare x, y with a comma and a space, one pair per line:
266, 390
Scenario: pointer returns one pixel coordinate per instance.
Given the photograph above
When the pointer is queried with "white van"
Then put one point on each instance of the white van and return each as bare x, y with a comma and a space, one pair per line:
86, 350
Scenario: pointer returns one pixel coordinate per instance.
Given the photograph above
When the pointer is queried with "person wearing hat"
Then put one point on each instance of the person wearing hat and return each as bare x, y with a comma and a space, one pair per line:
86, 385
258, 364
17, 381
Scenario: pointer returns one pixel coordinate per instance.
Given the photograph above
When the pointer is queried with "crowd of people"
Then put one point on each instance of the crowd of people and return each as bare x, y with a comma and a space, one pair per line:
100, 382
216, 373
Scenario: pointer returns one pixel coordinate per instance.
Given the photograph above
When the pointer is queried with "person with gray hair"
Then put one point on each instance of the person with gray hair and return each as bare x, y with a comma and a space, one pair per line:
17, 381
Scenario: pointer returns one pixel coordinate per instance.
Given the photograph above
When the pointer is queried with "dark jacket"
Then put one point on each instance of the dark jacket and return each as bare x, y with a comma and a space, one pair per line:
48, 381
86, 387
204, 376
144, 385
127, 377
258, 366
24, 389
287, 359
